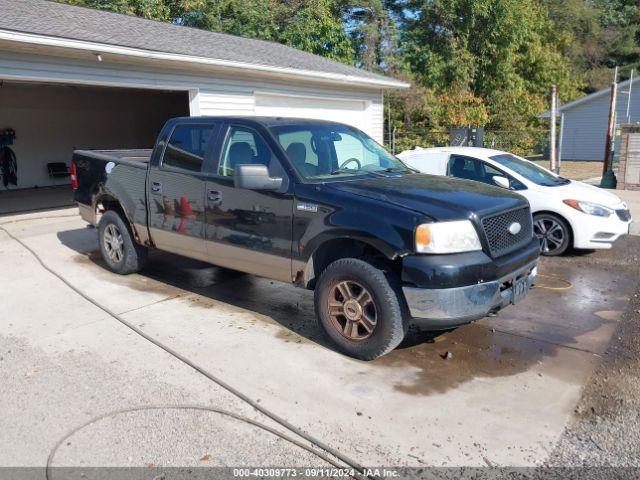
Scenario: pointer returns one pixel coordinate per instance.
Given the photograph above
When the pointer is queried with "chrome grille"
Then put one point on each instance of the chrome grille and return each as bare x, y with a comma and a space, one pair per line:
624, 215
496, 229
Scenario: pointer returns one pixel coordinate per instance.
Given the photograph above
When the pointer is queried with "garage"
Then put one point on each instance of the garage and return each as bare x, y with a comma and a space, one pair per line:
52, 120
350, 111
73, 77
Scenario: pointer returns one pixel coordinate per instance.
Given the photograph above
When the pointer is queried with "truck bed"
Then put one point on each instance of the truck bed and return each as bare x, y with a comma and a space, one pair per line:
106, 175
139, 156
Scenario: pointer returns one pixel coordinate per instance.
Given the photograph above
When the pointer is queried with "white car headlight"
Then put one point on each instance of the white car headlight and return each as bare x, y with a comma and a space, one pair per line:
589, 208
447, 237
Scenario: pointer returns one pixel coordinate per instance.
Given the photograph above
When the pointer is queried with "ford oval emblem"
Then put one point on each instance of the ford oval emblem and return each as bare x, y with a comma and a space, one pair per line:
515, 228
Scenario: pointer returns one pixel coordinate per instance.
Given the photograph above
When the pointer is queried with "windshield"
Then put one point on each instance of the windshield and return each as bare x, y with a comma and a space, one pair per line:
529, 170
324, 151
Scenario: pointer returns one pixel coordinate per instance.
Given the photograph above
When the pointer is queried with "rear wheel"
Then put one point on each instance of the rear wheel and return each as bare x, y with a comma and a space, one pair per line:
553, 233
360, 308
119, 250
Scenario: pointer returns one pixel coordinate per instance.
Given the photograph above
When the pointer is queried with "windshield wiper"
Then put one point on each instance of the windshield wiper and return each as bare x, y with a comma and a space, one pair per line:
562, 181
343, 170
393, 170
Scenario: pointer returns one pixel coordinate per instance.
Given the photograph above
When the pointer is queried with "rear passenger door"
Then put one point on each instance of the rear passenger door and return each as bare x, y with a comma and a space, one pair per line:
176, 190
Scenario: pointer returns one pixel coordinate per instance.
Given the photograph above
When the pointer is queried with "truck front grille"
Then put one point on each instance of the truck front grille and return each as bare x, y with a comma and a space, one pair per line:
499, 228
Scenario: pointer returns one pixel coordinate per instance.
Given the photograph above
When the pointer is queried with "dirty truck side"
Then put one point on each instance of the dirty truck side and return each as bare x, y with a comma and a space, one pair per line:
322, 206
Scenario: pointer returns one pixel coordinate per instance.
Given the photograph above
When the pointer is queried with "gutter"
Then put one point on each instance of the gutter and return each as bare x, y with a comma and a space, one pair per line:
98, 48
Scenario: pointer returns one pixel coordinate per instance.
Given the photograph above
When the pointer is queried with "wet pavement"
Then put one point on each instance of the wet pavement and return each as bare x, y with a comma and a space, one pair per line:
502, 396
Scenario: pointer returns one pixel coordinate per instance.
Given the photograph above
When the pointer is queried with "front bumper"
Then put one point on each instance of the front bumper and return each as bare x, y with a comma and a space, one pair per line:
448, 307
469, 299
593, 232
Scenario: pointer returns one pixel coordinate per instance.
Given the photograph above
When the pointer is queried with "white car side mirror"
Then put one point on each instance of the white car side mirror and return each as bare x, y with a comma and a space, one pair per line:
501, 181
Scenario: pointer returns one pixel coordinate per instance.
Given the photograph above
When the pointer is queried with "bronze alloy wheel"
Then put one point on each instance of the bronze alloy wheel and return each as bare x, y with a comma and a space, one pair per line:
352, 310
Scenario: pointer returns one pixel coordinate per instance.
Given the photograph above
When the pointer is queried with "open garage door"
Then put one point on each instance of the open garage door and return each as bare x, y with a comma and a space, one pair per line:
51, 120
352, 112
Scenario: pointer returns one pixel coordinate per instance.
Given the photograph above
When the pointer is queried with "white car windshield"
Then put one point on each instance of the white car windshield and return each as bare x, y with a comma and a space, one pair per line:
529, 170
323, 150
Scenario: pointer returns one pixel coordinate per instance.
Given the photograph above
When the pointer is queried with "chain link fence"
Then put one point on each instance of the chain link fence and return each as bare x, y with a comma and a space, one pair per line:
526, 143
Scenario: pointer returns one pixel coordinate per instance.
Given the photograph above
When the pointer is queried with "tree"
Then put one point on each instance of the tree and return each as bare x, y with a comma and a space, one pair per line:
494, 48
598, 35
154, 9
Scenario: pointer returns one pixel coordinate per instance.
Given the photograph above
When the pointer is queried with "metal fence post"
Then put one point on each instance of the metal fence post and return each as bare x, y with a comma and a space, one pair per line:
552, 140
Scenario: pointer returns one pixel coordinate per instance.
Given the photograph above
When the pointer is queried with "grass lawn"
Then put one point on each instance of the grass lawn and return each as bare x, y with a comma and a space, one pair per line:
575, 170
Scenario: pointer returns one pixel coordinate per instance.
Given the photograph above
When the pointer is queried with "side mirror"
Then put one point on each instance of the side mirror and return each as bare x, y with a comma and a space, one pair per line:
501, 181
255, 177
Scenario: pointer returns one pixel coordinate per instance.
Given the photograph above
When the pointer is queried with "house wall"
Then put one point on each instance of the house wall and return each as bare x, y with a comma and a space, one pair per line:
52, 120
585, 125
217, 94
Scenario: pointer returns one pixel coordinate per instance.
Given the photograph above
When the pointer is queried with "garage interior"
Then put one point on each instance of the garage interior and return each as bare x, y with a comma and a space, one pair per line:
51, 120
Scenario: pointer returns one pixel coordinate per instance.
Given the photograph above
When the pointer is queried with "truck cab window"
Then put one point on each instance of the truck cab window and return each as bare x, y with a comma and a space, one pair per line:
299, 148
320, 151
188, 146
246, 146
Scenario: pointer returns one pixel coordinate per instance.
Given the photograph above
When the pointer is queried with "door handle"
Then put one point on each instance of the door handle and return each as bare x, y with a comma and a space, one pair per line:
156, 187
214, 197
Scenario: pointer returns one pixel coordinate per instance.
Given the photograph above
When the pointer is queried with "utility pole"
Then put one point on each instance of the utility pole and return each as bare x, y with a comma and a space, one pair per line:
389, 120
552, 139
608, 177
560, 139
628, 119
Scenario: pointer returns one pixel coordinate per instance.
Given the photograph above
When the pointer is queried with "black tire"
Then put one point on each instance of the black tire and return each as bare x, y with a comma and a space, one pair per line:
553, 232
386, 301
132, 257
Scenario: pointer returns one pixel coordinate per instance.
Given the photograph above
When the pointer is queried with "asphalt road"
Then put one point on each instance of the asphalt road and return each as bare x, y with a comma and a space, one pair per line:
512, 393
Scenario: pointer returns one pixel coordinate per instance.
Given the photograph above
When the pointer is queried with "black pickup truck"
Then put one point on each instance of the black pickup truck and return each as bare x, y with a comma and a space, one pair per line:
320, 205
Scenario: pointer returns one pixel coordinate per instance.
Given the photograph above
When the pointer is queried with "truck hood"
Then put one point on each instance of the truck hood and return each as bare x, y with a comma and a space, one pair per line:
440, 198
583, 191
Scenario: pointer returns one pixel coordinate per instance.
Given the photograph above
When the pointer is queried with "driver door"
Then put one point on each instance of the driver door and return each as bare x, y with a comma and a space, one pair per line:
249, 230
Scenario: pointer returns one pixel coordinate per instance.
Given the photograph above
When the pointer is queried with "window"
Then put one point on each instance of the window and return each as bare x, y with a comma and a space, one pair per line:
321, 150
245, 146
290, 142
188, 146
473, 169
466, 167
490, 172
529, 170
351, 152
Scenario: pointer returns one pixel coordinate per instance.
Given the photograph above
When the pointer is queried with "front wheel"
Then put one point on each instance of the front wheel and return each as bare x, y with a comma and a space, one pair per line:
360, 307
552, 232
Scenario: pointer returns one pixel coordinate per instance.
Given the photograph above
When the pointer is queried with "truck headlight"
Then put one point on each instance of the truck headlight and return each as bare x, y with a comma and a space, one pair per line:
589, 208
447, 237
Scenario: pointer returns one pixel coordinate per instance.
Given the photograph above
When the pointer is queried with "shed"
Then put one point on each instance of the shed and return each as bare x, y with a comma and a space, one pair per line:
73, 77
586, 119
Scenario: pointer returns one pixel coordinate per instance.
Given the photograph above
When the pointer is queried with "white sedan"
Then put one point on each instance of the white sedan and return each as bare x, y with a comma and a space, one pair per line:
565, 212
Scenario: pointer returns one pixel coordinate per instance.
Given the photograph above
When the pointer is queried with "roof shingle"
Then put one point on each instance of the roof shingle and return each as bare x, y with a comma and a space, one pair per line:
42, 17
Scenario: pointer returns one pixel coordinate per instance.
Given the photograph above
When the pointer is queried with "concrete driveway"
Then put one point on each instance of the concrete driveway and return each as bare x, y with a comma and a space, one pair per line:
504, 397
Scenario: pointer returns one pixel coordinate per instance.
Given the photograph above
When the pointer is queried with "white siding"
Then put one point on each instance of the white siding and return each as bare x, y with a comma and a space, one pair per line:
585, 125
219, 94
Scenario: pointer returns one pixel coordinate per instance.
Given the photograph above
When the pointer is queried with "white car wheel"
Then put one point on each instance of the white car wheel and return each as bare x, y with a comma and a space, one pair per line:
552, 232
